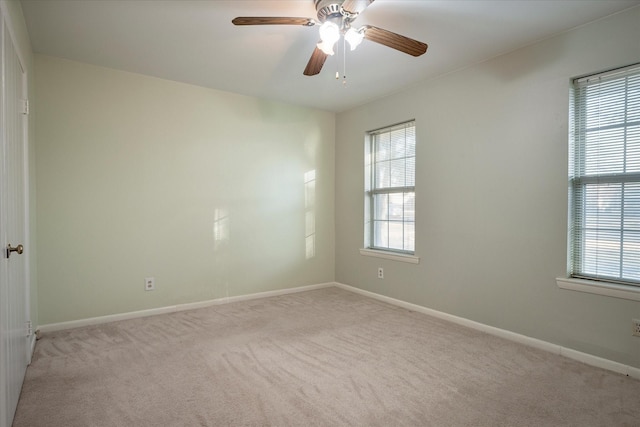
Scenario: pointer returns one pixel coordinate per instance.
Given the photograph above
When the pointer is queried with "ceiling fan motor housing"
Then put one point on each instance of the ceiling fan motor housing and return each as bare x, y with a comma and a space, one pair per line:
328, 9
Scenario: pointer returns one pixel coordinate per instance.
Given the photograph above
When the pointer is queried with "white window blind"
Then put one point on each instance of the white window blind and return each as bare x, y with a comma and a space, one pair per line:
390, 164
604, 234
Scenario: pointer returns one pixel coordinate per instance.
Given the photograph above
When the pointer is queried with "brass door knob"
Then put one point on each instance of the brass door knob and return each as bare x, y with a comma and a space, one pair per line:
18, 249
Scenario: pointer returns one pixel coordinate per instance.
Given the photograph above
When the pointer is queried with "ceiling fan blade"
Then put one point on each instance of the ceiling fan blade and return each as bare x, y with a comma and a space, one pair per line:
314, 66
272, 20
356, 6
394, 41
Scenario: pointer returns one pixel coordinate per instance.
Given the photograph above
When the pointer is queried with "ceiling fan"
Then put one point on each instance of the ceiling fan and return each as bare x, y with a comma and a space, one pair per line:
335, 18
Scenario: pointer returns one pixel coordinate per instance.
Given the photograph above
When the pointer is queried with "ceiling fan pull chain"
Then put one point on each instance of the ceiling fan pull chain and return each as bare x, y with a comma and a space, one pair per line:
344, 61
337, 64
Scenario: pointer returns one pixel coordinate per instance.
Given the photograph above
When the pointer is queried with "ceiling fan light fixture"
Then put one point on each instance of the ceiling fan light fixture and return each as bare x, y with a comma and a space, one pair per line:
329, 35
354, 37
326, 48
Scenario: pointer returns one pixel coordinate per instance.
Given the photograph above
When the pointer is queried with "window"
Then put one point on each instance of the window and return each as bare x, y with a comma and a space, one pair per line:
390, 164
604, 232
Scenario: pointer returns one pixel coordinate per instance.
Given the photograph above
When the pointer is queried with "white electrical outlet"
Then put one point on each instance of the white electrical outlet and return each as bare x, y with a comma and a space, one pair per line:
149, 284
380, 273
636, 327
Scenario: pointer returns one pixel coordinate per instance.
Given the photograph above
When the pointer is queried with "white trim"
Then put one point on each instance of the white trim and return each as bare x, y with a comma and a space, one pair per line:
600, 288
599, 362
26, 194
633, 372
52, 327
32, 347
588, 359
390, 255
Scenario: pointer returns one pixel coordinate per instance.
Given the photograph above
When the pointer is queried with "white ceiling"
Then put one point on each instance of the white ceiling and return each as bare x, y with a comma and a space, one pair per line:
195, 42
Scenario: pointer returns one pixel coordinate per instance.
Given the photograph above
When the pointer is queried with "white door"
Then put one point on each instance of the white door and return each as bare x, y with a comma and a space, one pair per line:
14, 309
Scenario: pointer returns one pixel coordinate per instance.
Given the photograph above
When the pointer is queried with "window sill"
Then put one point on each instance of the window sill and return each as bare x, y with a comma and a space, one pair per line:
600, 288
412, 259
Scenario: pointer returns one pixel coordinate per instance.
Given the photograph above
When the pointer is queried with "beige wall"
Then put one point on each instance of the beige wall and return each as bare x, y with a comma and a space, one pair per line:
491, 193
202, 189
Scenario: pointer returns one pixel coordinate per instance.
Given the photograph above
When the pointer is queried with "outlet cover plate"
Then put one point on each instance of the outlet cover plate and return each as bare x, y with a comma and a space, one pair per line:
636, 327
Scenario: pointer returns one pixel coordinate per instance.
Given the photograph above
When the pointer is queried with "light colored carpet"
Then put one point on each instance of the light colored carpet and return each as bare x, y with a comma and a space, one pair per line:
325, 357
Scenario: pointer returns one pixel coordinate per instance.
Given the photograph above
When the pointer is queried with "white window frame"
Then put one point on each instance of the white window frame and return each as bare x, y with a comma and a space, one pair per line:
374, 189
591, 259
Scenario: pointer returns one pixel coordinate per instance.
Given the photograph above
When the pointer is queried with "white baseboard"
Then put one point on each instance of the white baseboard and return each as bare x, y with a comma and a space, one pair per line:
52, 327
586, 358
32, 347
